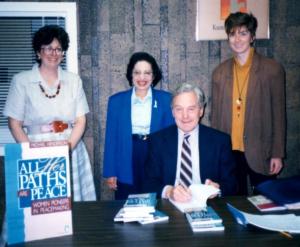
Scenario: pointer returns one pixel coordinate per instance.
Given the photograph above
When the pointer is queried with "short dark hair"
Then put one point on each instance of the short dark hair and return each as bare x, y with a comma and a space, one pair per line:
143, 56
239, 19
46, 34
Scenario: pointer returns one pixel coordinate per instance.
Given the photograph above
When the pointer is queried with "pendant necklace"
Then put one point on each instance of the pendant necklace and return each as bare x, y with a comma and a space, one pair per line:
48, 95
239, 100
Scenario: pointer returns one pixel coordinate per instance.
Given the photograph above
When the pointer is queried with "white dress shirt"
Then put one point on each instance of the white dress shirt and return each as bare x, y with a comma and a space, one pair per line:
194, 144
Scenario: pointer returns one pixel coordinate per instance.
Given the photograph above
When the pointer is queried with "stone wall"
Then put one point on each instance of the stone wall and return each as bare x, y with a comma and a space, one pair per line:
111, 30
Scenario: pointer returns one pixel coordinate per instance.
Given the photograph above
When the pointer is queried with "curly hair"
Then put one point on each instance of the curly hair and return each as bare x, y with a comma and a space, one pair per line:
143, 56
46, 34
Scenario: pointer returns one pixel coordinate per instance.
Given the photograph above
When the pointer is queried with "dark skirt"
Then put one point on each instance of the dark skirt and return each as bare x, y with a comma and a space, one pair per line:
139, 155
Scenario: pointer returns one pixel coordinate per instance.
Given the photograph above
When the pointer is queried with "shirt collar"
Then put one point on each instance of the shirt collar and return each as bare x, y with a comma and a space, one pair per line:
194, 132
37, 77
135, 99
248, 61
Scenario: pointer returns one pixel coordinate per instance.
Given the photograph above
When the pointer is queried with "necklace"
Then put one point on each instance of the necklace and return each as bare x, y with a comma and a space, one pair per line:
239, 100
47, 95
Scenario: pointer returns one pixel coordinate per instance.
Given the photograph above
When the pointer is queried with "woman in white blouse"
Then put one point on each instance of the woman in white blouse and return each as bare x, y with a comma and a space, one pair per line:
48, 103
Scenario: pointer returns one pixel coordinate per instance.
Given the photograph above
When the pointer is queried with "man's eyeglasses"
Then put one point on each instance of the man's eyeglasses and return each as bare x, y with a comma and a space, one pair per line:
49, 50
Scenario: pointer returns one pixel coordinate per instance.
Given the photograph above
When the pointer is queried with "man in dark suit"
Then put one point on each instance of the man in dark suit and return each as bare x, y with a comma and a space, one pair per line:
210, 151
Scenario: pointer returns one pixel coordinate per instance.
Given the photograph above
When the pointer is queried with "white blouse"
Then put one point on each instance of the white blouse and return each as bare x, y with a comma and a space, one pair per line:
27, 103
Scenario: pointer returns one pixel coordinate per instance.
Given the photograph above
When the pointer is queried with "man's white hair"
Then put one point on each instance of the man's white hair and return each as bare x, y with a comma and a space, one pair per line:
186, 88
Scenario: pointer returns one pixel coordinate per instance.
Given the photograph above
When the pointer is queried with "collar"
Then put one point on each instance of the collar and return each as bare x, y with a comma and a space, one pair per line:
36, 76
135, 99
248, 62
194, 132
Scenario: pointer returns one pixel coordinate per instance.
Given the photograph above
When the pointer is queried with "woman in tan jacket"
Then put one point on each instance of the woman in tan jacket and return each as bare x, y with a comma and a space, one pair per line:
248, 102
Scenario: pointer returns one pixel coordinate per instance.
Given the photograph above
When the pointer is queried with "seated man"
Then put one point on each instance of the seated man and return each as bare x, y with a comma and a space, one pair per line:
188, 152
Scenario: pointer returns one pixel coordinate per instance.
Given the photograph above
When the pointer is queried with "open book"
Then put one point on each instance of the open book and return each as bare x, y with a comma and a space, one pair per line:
200, 194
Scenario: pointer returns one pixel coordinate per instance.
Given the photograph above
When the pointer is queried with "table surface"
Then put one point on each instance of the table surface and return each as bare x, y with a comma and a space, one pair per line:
93, 226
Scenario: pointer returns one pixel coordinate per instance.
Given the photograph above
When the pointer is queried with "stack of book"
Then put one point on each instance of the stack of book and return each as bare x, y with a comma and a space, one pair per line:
140, 208
204, 220
264, 204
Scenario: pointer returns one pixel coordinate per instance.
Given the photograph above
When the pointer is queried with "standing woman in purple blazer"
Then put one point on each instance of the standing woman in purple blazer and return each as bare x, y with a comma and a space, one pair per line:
131, 116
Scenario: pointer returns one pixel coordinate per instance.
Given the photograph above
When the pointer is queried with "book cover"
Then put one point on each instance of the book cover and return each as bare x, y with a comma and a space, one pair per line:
158, 216
203, 217
38, 191
141, 202
264, 204
283, 191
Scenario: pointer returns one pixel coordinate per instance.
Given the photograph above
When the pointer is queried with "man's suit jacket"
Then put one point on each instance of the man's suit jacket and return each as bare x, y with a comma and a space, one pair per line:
216, 161
264, 130
118, 138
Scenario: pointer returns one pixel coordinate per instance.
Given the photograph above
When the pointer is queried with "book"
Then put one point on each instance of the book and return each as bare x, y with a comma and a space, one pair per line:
122, 216
141, 202
264, 204
209, 227
274, 222
200, 194
38, 191
203, 217
282, 191
158, 216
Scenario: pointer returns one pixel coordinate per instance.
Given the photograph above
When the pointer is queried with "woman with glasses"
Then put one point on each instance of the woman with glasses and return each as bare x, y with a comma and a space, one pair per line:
131, 116
50, 104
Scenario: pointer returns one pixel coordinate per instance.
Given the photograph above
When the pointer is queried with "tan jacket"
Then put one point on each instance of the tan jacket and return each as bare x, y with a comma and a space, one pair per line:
265, 117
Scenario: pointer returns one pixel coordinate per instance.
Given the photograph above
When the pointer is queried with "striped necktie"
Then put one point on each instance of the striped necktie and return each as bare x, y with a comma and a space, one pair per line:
186, 175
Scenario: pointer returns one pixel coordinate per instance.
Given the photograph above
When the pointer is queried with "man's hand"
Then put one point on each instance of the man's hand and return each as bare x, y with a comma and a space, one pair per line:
179, 193
216, 185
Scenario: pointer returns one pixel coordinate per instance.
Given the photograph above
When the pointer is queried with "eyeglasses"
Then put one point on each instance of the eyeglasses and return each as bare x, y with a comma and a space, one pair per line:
49, 50
139, 73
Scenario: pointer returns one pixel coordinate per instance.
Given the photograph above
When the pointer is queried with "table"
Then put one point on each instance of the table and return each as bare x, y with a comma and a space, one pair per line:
93, 226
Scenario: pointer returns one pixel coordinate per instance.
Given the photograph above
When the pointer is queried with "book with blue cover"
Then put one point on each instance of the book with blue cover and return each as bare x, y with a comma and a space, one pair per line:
158, 216
203, 217
282, 191
145, 202
209, 227
38, 191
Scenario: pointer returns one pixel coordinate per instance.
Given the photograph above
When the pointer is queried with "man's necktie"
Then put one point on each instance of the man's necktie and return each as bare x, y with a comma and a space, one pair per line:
186, 175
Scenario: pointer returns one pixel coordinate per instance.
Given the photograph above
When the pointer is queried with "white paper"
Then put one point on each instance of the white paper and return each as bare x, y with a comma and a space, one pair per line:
284, 222
200, 194
274, 222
